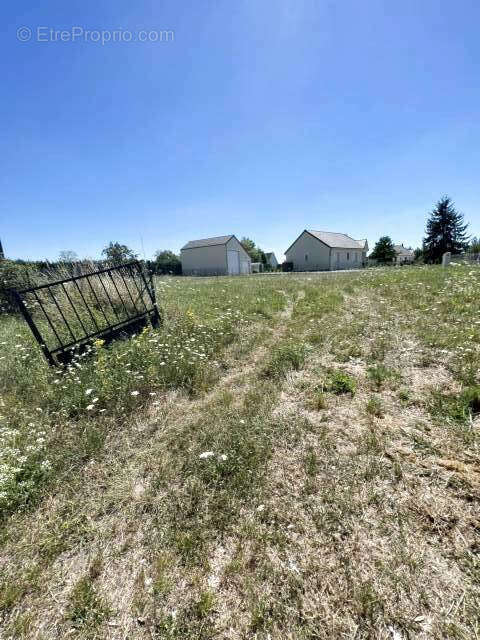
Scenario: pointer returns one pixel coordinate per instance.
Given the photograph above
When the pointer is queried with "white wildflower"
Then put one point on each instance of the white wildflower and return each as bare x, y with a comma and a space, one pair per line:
206, 454
88, 392
135, 393
90, 407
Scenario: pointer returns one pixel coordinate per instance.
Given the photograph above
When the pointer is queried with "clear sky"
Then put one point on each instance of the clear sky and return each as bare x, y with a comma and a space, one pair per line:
260, 118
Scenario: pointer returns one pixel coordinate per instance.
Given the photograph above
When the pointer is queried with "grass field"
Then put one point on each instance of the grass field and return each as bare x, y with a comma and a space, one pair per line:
289, 456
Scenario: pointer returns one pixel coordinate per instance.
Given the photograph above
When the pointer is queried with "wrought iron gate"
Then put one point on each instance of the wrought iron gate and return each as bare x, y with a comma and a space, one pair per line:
66, 315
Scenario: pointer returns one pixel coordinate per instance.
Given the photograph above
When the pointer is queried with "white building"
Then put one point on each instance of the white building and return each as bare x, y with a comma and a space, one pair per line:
364, 244
326, 251
403, 255
271, 260
223, 255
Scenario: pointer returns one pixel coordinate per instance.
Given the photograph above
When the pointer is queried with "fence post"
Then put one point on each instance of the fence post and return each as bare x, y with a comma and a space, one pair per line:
446, 259
151, 292
21, 305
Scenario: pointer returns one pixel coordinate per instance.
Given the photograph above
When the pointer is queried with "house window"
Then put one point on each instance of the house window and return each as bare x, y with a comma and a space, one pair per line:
348, 256
306, 257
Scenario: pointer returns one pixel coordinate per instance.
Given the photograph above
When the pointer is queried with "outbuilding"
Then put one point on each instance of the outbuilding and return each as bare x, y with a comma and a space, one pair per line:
325, 251
271, 260
223, 255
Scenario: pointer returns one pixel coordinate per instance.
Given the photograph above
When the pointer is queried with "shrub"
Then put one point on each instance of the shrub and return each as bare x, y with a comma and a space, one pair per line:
471, 397
457, 407
339, 383
284, 359
13, 275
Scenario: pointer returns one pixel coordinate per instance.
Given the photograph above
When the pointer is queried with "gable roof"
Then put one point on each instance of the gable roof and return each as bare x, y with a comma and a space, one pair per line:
401, 250
332, 240
335, 240
363, 243
207, 242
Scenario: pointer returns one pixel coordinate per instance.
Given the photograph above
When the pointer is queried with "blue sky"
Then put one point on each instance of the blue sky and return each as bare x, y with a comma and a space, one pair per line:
261, 118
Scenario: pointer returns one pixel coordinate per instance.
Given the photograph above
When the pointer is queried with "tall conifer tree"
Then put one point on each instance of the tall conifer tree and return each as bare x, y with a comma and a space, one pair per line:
445, 231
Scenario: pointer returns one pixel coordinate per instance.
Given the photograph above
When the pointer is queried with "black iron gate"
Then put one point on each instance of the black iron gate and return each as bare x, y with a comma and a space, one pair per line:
66, 315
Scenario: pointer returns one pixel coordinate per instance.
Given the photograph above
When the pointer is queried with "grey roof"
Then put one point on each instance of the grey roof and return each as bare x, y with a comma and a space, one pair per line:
207, 242
336, 240
400, 249
363, 243
270, 253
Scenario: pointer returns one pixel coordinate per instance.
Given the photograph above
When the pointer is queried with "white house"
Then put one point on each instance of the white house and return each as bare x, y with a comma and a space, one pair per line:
272, 260
364, 244
325, 251
403, 255
219, 256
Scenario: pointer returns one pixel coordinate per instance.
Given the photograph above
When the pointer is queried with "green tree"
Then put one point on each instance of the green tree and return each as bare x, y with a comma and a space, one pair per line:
118, 253
167, 262
474, 245
418, 254
255, 253
445, 231
67, 256
383, 252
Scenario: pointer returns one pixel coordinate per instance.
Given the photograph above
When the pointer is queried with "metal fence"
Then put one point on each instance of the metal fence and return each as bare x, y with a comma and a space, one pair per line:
469, 258
66, 315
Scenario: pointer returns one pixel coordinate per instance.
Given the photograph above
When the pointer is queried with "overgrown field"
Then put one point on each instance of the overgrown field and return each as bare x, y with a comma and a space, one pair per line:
288, 456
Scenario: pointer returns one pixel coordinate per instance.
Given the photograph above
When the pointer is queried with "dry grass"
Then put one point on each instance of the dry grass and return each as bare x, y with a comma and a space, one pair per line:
337, 497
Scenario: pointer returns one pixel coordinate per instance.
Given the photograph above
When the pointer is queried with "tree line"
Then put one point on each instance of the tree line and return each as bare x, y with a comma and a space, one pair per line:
164, 261
446, 230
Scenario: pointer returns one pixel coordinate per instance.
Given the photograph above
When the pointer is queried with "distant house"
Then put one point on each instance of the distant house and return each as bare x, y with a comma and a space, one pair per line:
364, 244
403, 255
325, 251
223, 255
271, 260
